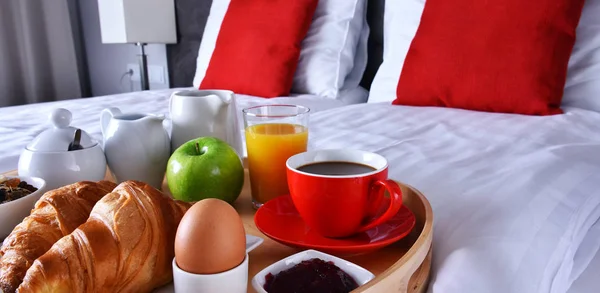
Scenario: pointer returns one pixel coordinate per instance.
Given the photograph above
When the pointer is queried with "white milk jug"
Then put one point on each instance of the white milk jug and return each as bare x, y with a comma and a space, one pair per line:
197, 113
136, 146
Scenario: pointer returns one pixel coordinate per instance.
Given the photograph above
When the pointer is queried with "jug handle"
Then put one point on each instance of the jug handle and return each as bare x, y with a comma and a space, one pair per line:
105, 117
171, 101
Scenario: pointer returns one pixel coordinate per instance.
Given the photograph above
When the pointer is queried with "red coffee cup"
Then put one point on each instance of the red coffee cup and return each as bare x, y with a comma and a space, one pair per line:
336, 191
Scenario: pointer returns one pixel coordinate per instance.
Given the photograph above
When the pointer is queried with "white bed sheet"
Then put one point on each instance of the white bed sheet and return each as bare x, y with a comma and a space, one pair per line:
585, 276
20, 124
513, 196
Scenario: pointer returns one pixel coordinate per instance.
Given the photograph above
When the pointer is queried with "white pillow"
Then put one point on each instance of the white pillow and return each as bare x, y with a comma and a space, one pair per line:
329, 49
402, 18
400, 22
352, 83
328, 64
582, 89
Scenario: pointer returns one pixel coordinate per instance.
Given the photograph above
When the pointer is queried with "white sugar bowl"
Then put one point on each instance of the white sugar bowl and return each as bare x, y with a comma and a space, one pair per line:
61, 156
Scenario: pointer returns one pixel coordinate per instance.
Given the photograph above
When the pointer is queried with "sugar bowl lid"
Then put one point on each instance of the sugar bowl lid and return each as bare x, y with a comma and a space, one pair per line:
58, 137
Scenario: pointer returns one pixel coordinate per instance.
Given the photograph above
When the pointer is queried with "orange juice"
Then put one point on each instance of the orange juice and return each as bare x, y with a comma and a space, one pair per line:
269, 146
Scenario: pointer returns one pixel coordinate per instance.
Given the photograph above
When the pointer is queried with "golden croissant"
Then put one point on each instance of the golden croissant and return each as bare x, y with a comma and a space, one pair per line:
56, 214
126, 245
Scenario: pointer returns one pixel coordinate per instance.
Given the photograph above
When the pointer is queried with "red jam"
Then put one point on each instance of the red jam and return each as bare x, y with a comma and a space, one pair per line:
311, 276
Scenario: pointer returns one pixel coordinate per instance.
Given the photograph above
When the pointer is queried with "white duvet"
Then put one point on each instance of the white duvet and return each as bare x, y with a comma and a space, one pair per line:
514, 197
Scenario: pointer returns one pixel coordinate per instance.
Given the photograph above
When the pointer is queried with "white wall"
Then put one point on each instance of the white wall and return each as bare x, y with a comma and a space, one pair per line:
107, 63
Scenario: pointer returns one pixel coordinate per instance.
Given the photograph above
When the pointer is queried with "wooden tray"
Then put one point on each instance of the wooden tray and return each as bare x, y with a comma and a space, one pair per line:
401, 267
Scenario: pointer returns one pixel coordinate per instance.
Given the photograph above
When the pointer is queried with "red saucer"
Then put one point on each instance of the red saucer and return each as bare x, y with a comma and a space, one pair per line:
279, 220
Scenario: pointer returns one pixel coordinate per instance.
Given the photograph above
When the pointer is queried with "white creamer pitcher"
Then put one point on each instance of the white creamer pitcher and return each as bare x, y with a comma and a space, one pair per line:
136, 146
198, 113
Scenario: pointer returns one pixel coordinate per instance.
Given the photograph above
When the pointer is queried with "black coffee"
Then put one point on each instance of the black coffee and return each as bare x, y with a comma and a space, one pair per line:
336, 168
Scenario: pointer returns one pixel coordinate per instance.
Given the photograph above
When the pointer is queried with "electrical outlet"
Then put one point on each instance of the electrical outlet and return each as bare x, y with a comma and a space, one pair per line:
156, 74
136, 71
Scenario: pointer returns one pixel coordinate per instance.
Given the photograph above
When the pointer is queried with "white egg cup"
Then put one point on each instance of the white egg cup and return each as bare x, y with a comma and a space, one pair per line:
231, 281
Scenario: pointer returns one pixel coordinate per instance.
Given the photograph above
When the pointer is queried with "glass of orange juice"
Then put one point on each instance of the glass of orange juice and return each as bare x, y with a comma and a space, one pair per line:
273, 134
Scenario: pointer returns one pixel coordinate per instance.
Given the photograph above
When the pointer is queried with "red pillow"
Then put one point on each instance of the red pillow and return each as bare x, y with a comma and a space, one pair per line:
499, 56
258, 46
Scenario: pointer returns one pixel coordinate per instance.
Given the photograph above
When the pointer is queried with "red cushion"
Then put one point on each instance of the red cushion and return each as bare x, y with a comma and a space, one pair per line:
258, 46
499, 56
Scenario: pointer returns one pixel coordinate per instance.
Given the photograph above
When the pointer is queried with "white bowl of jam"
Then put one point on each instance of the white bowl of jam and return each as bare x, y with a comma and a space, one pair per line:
311, 271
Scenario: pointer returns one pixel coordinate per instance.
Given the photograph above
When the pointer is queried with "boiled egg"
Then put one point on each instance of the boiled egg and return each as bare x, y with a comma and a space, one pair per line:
210, 238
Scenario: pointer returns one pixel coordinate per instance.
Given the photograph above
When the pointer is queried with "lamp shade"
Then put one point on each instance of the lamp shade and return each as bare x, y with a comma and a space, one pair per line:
137, 21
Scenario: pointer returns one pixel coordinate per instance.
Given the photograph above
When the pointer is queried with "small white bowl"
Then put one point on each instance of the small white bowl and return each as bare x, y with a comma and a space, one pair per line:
13, 212
231, 281
360, 275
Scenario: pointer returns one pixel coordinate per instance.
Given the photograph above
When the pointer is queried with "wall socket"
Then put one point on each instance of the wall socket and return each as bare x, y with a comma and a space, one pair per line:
156, 74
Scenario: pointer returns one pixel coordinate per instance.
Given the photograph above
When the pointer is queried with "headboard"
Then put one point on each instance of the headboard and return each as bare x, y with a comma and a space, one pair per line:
191, 19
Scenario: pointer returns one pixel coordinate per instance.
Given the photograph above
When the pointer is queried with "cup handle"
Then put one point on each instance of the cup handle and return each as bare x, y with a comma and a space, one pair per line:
395, 202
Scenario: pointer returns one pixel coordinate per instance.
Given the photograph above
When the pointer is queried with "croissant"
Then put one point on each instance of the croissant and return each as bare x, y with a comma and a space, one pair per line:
126, 245
56, 214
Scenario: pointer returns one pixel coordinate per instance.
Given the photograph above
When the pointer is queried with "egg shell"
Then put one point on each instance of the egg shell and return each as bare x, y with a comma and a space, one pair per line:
210, 238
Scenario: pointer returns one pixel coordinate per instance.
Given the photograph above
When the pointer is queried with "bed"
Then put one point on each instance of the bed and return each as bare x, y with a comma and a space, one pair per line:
516, 198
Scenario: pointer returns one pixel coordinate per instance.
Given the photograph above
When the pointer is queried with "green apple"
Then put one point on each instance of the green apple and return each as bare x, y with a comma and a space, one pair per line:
205, 167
